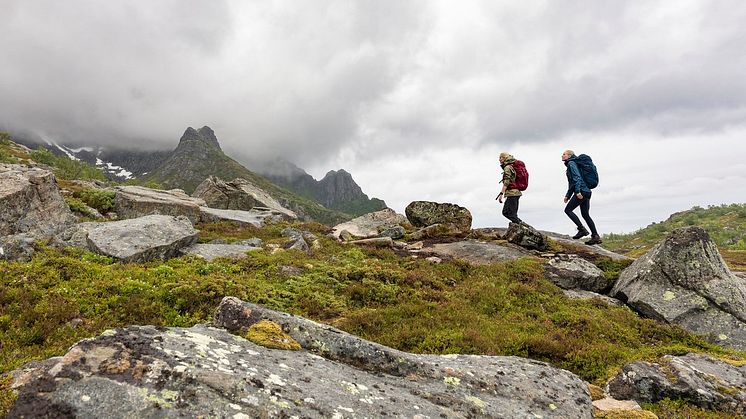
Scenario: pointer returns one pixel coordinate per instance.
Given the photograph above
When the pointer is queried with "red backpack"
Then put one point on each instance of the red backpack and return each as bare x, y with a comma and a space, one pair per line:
521, 176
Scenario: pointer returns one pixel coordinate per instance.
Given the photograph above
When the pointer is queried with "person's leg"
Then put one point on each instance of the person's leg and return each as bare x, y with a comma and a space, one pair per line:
510, 209
585, 208
571, 205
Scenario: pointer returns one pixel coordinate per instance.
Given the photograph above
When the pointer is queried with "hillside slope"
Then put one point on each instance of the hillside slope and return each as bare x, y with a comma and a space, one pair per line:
726, 225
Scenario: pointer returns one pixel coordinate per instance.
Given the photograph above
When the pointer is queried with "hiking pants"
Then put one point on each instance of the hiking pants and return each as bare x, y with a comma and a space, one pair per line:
585, 207
510, 208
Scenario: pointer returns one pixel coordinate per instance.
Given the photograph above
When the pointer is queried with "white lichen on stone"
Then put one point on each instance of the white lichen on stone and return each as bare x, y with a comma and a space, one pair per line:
109, 332
241, 416
309, 400
234, 406
668, 296
276, 380
251, 400
180, 368
452, 381
552, 406
723, 336
346, 409
85, 398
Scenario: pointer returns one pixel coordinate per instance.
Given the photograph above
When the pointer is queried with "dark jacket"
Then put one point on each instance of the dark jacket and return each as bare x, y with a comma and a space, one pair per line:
575, 182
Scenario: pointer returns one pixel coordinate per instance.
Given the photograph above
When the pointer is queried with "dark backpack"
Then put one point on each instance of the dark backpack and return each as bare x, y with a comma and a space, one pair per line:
521, 176
587, 170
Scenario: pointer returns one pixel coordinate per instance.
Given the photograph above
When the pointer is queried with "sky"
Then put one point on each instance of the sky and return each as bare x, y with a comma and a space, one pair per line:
415, 98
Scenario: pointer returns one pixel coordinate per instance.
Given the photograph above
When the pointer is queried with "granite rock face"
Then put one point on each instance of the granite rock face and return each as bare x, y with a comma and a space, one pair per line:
141, 239
146, 371
138, 201
426, 213
238, 194
702, 380
31, 203
684, 280
477, 252
371, 225
576, 273
256, 217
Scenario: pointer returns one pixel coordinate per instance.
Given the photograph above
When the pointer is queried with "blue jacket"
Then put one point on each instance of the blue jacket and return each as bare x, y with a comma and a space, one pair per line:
575, 182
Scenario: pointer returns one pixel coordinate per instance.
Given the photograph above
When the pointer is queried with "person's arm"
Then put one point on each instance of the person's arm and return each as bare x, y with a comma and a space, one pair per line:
508, 178
577, 180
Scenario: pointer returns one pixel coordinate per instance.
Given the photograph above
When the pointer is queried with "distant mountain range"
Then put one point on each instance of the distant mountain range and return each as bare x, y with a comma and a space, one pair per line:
199, 155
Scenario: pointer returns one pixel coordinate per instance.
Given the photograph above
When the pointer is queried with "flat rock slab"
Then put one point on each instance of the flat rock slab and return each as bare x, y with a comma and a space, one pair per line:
256, 217
239, 194
370, 225
589, 295
210, 251
145, 371
141, 239
31, 203
138, 201
477, 252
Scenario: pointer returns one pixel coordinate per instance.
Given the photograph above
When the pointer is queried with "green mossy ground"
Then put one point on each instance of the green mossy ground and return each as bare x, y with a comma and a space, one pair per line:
409, 304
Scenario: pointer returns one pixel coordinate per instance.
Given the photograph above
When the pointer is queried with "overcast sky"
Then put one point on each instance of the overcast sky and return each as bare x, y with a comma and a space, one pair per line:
415, 98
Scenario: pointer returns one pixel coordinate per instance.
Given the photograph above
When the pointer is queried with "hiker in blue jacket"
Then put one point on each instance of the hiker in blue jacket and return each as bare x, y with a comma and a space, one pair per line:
578, 195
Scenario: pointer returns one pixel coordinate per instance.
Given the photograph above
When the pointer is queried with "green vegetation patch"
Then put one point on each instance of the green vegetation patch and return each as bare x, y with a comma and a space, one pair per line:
100, 199
66, 168
7, 395
668, 408
270, 335
726, 225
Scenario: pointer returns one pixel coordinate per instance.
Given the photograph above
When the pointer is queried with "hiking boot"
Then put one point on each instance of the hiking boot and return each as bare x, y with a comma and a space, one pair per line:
582, 232
595, 239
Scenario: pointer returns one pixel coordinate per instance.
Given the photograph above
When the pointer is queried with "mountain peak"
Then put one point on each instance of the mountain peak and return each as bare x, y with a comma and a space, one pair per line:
205, 135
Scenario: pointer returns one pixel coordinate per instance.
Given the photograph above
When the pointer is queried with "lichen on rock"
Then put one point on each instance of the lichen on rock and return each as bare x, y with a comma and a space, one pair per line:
270, 335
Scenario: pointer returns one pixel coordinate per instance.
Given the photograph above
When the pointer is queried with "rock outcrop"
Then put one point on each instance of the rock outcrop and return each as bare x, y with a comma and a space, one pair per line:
238, 194
426, 213
476, 252
146, 371
526, 236
700, 379
30, 202
256, 217
576, 273
371, 225
134, 240
138, 201
684, 280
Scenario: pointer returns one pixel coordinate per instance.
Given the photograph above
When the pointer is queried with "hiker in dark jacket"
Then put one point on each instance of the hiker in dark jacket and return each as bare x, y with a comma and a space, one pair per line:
512, 195
578, 195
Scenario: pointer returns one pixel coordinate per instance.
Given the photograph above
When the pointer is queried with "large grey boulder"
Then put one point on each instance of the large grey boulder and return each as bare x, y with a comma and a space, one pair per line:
30, 202
146, 371
17, 247
210, 251
257, 216
478, 253
684, 280
426, 213
700, 379
141, 239
576, 273
371, 225
138, 201
238, 194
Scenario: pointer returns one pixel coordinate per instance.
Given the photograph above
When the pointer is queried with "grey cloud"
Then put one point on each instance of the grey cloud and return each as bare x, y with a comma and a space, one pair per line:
307, 79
